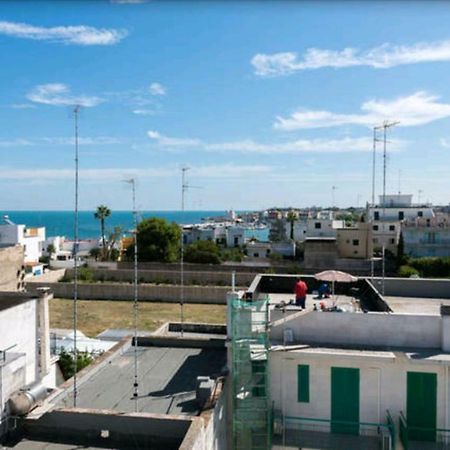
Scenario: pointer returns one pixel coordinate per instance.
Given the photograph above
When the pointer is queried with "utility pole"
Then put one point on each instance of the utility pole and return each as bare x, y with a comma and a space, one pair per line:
132, 181
76, 112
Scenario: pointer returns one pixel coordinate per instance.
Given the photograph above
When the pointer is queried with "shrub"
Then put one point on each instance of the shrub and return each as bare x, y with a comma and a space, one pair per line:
202, 252
66, 362
407, 271
432, 266
85, 274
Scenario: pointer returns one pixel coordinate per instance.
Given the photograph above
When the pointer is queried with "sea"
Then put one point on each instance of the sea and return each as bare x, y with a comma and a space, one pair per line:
61, 223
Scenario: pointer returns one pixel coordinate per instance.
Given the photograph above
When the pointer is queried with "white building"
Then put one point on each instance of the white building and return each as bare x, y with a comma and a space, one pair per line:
323, 227
427, 236
24, 345
346, 377
226, 234
31, 239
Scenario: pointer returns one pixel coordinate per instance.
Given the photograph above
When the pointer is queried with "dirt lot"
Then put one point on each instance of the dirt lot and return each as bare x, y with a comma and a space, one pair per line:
95, 316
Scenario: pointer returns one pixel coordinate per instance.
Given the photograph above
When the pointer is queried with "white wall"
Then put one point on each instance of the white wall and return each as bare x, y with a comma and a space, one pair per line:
397, 330
382, 384
18, 325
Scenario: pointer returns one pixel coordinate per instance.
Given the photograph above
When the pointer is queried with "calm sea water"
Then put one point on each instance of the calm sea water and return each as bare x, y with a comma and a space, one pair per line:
60, 223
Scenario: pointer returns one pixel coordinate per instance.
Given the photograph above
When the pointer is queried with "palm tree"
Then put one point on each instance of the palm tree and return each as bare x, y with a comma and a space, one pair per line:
291, 218
101, 214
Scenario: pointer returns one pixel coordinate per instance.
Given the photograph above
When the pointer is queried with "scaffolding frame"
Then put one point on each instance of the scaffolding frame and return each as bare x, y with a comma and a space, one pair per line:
252, 421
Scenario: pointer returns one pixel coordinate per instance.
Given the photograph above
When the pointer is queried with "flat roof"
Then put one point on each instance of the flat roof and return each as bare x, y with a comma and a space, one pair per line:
167, 379
31, 444
410, 305
9, 299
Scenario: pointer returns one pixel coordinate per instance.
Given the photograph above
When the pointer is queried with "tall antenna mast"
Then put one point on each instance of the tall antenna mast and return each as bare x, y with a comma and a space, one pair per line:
76, 112
184, 187
333, 192
385, 126
132, 181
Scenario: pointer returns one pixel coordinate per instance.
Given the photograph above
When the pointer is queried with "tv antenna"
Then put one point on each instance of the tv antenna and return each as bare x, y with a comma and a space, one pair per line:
386, 125
184, 187
132, 182
76, 112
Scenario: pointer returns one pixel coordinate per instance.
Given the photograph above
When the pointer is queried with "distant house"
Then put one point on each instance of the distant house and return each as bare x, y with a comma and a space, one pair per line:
427, 236
31, 239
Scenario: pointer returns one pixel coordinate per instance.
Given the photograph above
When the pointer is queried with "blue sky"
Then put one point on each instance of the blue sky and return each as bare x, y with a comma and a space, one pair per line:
267, 103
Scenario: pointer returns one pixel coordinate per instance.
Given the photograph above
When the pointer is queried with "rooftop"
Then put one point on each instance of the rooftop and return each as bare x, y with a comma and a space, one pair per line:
167, 378
410, 305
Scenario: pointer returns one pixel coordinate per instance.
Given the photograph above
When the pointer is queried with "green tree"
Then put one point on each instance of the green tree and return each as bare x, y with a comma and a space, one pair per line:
202, 252
291, 218
95, 253
50, 250
158, 240
101, 213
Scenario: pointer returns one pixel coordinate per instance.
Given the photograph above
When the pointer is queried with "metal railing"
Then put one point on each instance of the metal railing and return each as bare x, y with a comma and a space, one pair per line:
414, 437
341, 427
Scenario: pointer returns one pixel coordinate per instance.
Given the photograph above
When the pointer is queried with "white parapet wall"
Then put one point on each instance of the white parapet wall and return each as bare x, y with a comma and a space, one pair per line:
373, 329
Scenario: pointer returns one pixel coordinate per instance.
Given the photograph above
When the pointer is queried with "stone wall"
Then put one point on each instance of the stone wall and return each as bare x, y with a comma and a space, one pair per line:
155, 293
11, 268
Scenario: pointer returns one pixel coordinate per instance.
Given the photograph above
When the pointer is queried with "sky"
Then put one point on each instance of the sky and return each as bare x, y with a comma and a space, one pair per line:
266, 103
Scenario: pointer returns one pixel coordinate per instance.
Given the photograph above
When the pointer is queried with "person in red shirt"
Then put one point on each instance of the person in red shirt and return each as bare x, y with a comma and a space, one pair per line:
301, 289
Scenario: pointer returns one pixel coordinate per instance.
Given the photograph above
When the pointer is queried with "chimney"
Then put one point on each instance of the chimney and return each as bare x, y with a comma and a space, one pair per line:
44, 330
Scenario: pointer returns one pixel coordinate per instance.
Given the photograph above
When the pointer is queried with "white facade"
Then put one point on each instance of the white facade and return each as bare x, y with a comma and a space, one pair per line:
31, 239
323, 227
24, 345
427, 237
398, 208
323, 342
226, 234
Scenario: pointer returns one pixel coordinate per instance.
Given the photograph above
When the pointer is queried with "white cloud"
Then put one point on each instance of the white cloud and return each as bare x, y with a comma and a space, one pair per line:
19, 142
381, 57
344, 145
144, 112
445, 143
120, 174
417, 109
97, 140
58, 94
78, 35
166, 141
157, 89
23, 106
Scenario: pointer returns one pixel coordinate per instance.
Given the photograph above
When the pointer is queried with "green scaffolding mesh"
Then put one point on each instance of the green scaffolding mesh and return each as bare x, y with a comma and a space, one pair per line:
250, 373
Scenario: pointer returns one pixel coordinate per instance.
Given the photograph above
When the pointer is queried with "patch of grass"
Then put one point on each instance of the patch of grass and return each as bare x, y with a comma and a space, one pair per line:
94, 316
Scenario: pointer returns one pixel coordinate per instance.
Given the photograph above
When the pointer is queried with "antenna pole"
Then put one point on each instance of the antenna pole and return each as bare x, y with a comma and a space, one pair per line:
76, 112
184, 187
385, 126
135, 303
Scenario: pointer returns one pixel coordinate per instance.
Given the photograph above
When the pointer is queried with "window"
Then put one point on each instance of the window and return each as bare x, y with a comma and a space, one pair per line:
303, 383
355, 242
375, 227
376, 215
375, 241
256, 255
391, 227
419, 213
401, 215
392, 241
317, 225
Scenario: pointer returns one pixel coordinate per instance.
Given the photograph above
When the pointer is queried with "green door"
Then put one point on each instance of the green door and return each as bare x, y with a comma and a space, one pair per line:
421, 405
344, 400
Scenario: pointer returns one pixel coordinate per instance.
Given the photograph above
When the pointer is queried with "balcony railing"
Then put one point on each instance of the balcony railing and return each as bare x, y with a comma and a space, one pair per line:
413, 438
303, 431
